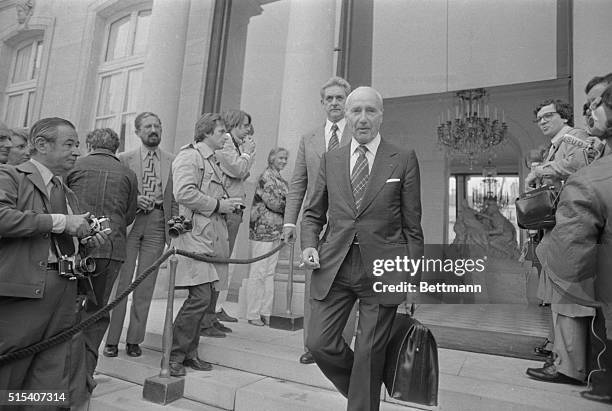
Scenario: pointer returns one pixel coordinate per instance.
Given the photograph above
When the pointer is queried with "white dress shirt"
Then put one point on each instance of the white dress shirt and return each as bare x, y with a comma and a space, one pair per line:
328, 133
372, 147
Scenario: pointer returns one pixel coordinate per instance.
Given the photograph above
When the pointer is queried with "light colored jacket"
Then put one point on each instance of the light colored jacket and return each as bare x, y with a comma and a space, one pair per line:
197, 183
236, 167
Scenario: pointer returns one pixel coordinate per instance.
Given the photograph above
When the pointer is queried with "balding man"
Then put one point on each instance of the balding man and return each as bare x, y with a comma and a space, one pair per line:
373, 210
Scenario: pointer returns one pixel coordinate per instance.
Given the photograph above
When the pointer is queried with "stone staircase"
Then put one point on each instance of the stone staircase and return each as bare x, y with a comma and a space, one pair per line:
256, 368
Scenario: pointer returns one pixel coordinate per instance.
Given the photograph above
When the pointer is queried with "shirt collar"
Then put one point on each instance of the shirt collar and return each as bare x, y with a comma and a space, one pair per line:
372, 146
340, 123
560, 135
203, 148
45, 173
145, 150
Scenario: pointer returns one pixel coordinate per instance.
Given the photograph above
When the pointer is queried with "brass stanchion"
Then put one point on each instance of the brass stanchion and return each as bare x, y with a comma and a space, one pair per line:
163, 388
288, 320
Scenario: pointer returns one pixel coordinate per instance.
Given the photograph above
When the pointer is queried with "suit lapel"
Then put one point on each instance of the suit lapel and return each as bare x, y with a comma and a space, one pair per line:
384, 165
347, 135
318, 141
35, 178
135, 164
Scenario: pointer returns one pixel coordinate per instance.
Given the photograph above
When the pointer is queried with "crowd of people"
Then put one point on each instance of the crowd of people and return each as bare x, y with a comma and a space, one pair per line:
195, 200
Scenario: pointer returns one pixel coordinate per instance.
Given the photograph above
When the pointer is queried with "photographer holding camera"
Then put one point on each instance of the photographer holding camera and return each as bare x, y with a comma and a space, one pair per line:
106, 188
40, 228
203, 200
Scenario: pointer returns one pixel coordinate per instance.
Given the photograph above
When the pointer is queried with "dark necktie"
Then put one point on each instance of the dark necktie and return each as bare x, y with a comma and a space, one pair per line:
359, 176
57, 197
149, 180
333, 141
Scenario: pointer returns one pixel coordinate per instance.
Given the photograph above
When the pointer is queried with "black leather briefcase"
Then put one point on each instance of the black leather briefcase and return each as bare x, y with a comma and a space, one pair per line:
535, 209
411, 366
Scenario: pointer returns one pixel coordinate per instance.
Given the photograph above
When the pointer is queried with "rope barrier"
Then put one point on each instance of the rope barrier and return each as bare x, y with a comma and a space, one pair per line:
65, 335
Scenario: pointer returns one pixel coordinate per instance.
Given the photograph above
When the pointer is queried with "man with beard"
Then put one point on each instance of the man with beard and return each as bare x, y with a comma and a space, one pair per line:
578, 251
149, 234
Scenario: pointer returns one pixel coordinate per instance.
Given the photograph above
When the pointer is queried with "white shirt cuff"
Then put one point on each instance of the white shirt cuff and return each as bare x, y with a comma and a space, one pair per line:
59, 223
289, 225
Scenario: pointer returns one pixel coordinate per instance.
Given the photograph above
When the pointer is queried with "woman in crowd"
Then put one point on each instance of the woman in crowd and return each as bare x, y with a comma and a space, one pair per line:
265, 230
20, 151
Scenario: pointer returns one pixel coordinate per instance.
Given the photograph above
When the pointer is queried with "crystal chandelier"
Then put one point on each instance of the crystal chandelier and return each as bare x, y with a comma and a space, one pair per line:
489, 190
473, 132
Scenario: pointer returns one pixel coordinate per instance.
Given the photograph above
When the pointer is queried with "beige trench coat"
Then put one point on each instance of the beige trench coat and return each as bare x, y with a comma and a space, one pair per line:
197, 187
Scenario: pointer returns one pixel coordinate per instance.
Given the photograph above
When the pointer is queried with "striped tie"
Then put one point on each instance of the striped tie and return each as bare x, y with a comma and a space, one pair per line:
333, 141
149, 180
360, 175
57, 198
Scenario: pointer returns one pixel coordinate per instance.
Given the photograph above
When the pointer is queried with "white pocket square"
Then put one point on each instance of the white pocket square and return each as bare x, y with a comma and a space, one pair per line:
393, 180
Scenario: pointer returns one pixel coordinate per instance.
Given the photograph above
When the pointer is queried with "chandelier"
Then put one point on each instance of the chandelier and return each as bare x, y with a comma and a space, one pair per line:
489, 190
473, 132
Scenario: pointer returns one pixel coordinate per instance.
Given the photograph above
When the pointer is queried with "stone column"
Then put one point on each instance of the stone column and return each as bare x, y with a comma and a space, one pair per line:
163, 69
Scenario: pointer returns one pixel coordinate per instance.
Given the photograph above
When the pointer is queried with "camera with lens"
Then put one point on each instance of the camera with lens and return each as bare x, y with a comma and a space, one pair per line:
76, 267
178, 225
98, 225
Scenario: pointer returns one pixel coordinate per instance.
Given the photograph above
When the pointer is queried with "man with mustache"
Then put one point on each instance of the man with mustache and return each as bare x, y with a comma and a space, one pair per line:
149, 234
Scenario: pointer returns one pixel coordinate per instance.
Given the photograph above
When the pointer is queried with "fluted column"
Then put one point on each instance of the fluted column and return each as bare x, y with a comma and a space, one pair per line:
163, 69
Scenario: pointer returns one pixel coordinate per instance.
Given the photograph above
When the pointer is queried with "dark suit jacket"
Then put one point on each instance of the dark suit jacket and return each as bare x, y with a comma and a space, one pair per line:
106, 188
25, 228
388, 224
306, 170
131, 159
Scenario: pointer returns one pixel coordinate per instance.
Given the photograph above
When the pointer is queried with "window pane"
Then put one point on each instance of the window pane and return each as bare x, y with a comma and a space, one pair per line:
13, 110
133, 90
142, 32
27, 118
110, 95
106, 122
22, 60
37, 59
117, 39
126, 129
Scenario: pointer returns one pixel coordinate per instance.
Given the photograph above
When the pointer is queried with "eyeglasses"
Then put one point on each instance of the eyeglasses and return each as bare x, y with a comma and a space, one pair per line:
545, 116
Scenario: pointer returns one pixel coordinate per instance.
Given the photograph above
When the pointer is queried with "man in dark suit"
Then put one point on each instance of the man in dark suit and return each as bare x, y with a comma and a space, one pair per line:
106, 188
368, 193
149, 234
39, 225
334, 133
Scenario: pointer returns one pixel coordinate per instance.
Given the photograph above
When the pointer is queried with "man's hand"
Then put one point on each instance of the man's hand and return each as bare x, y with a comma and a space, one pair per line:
310, 258
249, 146
289, 235
77, 225
96, 240
145, 203
531, 181
226, 206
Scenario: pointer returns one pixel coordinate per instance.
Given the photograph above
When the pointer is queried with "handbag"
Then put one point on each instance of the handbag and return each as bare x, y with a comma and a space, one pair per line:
411, 368
535, 209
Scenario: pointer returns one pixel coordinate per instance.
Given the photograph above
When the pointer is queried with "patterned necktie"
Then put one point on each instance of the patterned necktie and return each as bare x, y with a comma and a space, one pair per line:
360, 175
333, 141
57, 198
149, 180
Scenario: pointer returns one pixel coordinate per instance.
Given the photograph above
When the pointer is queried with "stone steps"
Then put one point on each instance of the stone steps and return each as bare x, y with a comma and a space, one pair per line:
256, 368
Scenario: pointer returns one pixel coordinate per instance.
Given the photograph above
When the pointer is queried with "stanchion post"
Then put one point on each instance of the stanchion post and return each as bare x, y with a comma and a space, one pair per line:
290, 278
163, 388
288, 320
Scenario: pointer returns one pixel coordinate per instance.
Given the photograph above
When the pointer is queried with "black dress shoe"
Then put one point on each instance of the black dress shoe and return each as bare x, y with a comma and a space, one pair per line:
593, 395
197, 364
225, 317
133, 350
212, 332
221, 327
177, 369
110, 350
307, 358
550, 374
